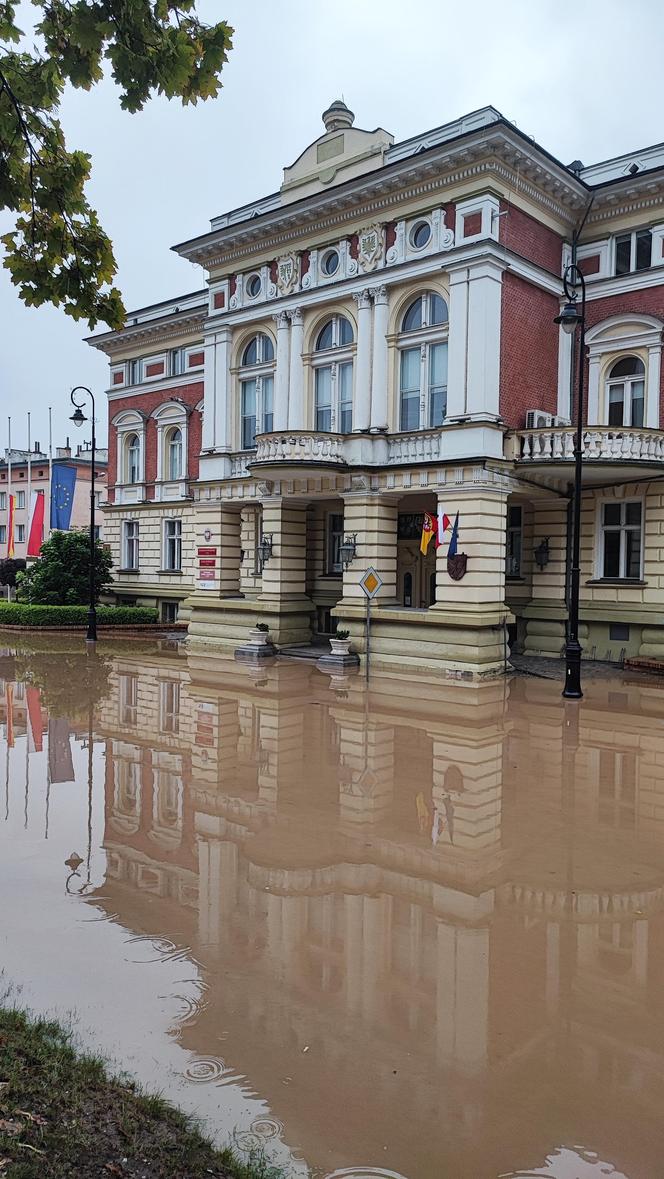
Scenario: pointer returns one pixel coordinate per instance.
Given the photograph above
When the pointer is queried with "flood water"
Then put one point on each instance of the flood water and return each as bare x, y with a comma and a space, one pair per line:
416, 931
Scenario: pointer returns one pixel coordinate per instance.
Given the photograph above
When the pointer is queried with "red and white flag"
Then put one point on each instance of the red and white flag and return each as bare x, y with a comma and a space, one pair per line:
36, 523
444, 522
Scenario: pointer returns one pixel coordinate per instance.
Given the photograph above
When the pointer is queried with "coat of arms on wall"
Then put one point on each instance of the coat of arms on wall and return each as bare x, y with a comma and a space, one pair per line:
287, 273
457, 566
370, 246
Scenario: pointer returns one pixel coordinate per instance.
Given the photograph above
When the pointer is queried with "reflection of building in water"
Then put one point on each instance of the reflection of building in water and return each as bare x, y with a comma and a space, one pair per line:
455, 900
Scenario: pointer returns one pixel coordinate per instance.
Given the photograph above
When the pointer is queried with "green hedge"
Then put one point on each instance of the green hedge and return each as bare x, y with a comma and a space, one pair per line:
22, 614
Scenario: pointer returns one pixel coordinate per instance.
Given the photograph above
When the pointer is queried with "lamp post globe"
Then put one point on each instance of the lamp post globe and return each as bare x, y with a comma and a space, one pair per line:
78, 418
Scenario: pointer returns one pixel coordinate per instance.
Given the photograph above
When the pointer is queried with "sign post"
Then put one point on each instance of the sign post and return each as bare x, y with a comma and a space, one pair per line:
370, 583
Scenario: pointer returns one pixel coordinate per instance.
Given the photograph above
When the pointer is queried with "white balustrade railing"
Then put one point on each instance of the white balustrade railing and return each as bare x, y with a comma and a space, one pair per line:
599, 442
239, 463
416, 446
299, 447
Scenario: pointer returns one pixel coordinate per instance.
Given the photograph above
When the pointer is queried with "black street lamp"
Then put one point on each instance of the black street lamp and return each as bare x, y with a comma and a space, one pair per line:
78, 418
569, 319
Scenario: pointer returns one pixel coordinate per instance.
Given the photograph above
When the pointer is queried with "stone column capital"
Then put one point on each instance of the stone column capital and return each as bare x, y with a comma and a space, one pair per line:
362, 298
281, 319
379, 294
296, 316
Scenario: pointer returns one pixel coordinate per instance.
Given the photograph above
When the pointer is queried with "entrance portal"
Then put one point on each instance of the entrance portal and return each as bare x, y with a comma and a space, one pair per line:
416, 573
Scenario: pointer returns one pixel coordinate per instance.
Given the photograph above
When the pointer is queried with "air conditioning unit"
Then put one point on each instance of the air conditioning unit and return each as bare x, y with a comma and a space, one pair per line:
558, 421
537, 419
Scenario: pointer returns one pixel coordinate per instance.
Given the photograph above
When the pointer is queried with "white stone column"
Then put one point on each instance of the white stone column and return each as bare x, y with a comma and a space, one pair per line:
593, 392
652, 387
216, 406
379, 367
281, 374
564, 374
484, 315
362, 406
296, 390
457, 353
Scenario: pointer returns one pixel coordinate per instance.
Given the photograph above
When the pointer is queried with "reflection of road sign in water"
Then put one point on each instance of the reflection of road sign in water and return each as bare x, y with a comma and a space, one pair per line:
370, 582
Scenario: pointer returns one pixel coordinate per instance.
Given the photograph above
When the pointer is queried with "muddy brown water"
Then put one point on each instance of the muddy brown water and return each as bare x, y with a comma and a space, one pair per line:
415, 931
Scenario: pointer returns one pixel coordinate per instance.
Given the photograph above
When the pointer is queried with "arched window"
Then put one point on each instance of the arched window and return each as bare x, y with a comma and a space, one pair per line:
422, 346
333, 376
256, 390
133, 449
625, 392
174, 453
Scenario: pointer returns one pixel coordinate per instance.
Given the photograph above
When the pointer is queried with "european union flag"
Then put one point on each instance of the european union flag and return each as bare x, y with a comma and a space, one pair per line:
62, 495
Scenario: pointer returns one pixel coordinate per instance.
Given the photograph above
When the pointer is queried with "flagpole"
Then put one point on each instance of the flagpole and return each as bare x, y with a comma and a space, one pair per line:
9, 490
50, 466
27, 527
27, 766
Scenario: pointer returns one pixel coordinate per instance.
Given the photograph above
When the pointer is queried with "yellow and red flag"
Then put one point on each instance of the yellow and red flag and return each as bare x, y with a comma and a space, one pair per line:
428, 530
10, 526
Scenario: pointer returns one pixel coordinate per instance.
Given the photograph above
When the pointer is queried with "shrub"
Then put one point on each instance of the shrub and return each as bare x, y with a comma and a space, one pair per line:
61, 575
9, 567
342, 634
23, 614
262, 626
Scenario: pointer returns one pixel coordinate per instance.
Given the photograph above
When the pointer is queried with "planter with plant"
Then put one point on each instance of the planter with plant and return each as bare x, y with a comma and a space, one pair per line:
259, 634
340, 642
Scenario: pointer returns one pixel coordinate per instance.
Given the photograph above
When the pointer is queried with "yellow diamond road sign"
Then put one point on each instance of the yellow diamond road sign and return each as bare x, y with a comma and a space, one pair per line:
370, 582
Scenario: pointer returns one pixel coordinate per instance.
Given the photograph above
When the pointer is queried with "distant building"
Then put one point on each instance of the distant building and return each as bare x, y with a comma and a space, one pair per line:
376, 341
39, 481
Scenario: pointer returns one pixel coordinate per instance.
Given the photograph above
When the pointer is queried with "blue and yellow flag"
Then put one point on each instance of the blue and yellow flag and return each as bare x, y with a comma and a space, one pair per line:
62, 495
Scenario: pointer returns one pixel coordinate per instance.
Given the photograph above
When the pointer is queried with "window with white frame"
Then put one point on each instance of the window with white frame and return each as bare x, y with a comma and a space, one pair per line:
334, 541
131, 544
633, 251
135, 372
514, 541
422, 345
132, 458
20, 533
176, 360
3, 533
128, 699
625, 392
333, 377
169, 711
3, 501
174, 453
173, 545
256, 390
20, 499
621, 539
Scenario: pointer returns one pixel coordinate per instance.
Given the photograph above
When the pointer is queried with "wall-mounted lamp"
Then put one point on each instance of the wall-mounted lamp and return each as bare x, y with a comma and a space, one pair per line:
348, 550
542, 553
264, 549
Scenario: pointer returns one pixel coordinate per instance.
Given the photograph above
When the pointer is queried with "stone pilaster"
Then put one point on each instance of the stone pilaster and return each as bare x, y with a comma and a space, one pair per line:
296, 384
362, 408
373, 519
285, 573
281, 380
379, 368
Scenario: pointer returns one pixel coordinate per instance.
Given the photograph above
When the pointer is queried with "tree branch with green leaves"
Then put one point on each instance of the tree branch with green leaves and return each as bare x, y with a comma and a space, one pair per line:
58, 251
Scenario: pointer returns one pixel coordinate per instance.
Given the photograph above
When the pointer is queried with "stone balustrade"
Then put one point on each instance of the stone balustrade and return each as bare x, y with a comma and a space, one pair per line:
239, 463
417, 446
599, 443
299, 446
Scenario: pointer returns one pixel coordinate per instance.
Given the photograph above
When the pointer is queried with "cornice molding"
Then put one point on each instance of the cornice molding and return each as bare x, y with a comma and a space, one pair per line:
151, 330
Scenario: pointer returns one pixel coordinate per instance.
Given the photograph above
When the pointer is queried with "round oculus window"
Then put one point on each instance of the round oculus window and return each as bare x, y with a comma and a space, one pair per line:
330, 263
254, 285
420, 235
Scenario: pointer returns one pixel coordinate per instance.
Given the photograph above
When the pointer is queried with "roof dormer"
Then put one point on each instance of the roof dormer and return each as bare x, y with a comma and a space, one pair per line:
342, 153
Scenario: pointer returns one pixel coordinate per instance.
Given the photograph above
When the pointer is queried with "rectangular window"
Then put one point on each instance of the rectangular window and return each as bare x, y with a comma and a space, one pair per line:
135, 372
169, 611
345, 398
621, 540
97, 532
3, 533
169, 707
618, 632
3, 501
633, 251
323, 396
20, 533
131, 542
268, 405
128, 699
514, 541
249, 415
20, 499
173, 545
176, 362
409, 418
437, 384
335, 536
97, 499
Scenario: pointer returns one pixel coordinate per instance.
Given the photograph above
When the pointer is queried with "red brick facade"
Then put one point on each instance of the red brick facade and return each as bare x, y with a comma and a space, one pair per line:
472, 224
146, 403
646, 302
528, 351
529, 238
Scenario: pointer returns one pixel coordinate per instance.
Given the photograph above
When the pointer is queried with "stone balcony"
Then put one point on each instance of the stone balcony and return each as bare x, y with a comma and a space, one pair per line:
600, 443
299, 448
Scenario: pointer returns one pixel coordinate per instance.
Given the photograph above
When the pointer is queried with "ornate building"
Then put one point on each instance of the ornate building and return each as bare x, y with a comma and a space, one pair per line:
374, 341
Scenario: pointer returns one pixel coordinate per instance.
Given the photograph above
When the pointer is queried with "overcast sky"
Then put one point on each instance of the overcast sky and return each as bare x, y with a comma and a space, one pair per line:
584, 81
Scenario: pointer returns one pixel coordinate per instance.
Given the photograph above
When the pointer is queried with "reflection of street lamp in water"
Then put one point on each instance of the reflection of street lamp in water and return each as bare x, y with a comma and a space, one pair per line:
74, 862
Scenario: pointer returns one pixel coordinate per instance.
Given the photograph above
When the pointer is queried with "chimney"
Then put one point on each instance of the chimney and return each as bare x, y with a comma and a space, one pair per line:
37, 448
